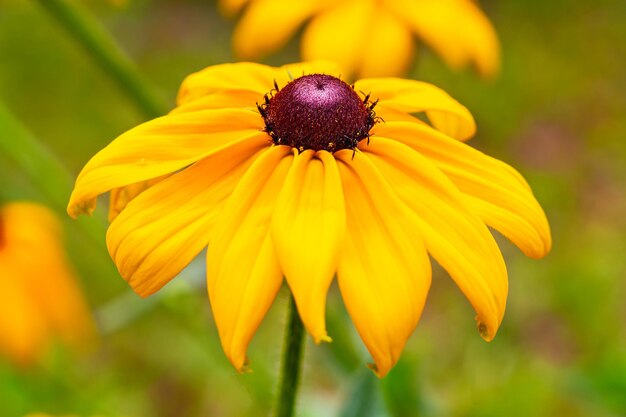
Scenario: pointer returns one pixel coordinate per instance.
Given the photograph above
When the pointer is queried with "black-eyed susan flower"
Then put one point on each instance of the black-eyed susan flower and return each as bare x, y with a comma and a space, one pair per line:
368, 37
40, 301
291, 172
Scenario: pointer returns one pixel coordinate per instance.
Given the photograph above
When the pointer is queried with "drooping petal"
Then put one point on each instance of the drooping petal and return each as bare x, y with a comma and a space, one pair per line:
165, 227
387, 38
247, 76
456, 29
243, 272
384, 272
159, 147
445, 113
339, 34
454, 235
120, 197
267, 25
495, 190
308, 230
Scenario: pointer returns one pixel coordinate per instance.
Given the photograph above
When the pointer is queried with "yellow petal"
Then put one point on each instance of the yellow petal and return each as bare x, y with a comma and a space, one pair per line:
384, 272
456, 29
455, 236
120, 197
339, 34
245, 76
444, 113
159, 147
308, 229
243, 273
387, 38
223, 99
267, 25
495, 190
165, 227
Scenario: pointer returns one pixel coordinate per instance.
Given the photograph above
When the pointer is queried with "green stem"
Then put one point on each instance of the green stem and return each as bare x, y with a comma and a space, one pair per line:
290, 363
104, 50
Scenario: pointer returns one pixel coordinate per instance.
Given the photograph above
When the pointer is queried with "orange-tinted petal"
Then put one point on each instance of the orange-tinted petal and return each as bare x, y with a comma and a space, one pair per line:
455, 236
384, 272
495, 190
444, 113
308, 229
165, 227
243, 272
159, 147
41, 299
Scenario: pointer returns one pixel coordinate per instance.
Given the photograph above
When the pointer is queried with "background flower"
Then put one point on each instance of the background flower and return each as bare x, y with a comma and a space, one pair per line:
40, 301
369, 37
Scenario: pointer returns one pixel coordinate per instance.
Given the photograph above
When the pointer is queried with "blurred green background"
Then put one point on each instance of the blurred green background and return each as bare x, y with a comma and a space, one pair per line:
557, 113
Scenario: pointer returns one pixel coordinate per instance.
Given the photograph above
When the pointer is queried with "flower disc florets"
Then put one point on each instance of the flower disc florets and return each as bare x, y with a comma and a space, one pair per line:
317, 112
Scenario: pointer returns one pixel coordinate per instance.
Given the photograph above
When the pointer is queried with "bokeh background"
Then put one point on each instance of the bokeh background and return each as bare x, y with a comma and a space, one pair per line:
557, 113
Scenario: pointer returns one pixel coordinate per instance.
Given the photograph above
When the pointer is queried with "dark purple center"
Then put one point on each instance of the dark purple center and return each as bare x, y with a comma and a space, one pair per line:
317, 112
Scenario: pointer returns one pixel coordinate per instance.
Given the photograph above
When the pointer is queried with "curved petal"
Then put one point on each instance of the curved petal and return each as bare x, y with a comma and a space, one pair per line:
247, 76
266, 25
159, 147
456, 29
308, 229
384, 272
223, 99
455, 236
120, 197
387, 38
445, 113
495, 190
243, 273
339, 34
165, 227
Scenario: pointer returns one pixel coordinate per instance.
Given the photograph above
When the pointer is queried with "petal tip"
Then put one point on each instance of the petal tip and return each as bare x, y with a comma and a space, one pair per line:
485, 332
75, 209
374, 368
324, 338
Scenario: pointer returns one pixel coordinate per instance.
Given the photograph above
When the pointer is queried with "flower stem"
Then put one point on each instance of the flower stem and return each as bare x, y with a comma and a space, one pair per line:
290, 363
107, 54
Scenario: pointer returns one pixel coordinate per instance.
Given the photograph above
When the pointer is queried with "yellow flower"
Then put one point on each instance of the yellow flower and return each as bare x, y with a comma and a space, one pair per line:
369, 37
39, 297
314, 181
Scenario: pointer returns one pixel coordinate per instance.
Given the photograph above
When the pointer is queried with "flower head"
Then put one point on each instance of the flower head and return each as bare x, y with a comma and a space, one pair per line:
289, 172
369, 37
39, 297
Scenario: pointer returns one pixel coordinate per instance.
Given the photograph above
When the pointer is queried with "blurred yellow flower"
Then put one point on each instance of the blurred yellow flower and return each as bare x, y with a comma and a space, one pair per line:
368, 37
314, 181
39, 297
